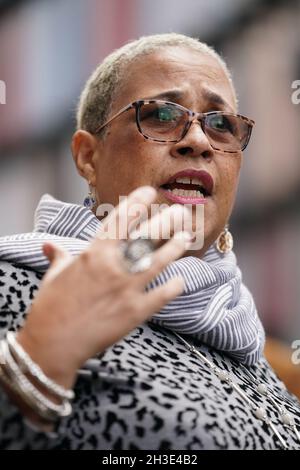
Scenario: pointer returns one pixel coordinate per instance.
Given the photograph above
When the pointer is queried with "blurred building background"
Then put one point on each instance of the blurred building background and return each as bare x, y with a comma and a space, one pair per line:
48, 48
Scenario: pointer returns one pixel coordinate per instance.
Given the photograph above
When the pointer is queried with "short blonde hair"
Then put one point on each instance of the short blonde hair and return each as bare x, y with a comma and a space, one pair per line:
98, 92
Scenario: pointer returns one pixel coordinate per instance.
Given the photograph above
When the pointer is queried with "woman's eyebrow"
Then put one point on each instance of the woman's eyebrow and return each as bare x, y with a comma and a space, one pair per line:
168, 95
176, 95
213, 97
216, 100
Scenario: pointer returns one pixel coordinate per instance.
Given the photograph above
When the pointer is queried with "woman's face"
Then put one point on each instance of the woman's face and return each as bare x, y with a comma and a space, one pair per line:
123, 160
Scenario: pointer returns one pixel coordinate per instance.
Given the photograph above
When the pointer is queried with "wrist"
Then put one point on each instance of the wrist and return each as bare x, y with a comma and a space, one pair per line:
53, 365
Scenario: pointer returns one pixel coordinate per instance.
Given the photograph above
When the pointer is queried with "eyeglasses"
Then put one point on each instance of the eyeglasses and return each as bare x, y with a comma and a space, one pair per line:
163, 121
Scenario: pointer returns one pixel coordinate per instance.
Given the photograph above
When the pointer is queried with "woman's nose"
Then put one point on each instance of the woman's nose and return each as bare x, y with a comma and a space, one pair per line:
194, 144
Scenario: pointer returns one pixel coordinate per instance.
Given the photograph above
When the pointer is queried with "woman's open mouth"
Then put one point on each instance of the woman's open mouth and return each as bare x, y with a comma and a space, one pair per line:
188, 187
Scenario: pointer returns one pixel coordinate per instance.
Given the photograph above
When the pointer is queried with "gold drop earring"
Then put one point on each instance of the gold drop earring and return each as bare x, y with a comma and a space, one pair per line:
224, 242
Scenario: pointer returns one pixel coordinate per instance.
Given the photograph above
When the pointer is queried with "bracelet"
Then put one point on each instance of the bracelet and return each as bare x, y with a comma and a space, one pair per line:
28, 365
18, 382
41, 412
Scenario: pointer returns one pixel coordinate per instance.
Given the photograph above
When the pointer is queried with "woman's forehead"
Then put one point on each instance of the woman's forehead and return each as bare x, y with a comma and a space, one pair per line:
182, 95
190, 72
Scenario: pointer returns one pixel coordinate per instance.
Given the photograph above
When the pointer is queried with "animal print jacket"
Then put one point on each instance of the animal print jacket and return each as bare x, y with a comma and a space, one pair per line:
147, 392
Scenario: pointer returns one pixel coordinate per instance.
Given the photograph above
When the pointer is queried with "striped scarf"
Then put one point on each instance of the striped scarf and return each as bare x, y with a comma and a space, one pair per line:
215, 307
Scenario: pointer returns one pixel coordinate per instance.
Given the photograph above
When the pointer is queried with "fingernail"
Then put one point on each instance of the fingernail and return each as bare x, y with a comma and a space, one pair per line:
47, 249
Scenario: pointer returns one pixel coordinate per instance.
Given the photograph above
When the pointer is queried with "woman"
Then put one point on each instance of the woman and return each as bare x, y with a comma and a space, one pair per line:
193, 377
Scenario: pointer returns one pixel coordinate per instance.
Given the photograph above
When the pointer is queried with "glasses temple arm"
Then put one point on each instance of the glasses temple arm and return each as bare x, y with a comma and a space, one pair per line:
123, 110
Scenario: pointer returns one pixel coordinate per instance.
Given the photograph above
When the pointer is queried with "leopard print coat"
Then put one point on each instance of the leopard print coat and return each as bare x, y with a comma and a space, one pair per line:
146, 392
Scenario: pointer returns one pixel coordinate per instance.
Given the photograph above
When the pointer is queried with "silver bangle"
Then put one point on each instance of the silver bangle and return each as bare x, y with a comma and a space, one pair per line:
28, 365
17, 381
42, 412
28, 399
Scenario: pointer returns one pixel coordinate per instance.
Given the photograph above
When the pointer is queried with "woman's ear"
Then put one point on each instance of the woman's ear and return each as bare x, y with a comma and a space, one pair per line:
84, 146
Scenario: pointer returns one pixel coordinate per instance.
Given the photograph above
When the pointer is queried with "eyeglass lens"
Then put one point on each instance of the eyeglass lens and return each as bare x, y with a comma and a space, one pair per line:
168, 122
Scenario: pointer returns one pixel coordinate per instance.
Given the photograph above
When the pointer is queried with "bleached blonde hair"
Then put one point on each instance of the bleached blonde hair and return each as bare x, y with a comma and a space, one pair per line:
97, 95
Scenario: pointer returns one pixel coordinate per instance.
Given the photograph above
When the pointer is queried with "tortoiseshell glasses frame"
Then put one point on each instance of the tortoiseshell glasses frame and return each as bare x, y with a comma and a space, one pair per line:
168, 122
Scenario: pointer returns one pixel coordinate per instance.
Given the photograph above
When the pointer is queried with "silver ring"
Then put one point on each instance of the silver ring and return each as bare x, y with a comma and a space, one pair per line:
137, 254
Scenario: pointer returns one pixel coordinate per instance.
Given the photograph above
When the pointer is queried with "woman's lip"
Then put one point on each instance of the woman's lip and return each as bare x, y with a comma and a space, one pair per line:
181, 199
202, 175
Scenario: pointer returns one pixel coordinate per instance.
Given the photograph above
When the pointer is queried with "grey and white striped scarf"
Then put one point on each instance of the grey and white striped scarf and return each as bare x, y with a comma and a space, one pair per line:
216, 306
